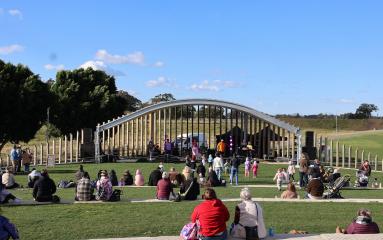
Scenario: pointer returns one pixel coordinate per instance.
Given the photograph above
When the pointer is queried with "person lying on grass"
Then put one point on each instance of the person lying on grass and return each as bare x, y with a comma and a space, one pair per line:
362, 224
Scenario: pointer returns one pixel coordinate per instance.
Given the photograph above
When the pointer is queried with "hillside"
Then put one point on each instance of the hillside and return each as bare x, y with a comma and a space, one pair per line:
329, 124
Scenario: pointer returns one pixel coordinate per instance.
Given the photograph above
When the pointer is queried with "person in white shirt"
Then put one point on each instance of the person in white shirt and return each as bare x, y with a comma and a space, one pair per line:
291, 170
32, 177
248, 214
218, 165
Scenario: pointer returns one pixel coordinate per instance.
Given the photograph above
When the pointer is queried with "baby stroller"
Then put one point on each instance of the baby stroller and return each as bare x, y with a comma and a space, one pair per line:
334, 190
361, 179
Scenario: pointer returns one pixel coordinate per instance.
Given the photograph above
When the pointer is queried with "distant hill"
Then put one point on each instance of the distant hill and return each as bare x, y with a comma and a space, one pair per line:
329, 124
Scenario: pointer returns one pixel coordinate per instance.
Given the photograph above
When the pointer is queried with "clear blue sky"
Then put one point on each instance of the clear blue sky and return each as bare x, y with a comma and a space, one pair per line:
275, 56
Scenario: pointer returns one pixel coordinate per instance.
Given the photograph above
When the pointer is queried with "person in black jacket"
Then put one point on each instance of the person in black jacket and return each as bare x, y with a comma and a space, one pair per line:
113, 178
212, 179
128, 178
44, 188
189, 189
154, 177
201, 170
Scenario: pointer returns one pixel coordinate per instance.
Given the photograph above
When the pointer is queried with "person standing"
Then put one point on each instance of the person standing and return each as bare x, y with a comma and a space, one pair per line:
26, 158
303, 170
221, 147
151, 149
218, 166
247, 167
167, 149
13, 156
234, 169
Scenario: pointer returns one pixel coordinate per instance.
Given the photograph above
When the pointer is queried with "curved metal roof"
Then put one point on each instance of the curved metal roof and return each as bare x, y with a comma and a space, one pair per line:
209, 102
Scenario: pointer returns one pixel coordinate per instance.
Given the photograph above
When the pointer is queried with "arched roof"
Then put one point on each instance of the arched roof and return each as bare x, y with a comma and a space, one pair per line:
208, 102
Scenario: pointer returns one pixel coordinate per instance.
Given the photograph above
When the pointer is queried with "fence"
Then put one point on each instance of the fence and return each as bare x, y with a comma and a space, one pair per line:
333, 153
61, 150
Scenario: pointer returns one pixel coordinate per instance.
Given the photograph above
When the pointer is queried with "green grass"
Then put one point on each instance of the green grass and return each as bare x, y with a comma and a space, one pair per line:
123, 219
369, 142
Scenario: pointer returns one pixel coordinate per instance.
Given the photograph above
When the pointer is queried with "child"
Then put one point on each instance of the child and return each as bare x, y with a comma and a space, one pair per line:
291, 170
121, 182
203, 159
161, 166
247, 167
279, 178
286, 179
255, 168
227, 167
201, 179
210, 160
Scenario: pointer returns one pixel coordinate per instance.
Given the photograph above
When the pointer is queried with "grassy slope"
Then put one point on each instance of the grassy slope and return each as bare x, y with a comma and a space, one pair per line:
136, 219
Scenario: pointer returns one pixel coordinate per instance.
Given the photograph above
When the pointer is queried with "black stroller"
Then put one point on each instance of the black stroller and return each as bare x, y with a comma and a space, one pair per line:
333, 191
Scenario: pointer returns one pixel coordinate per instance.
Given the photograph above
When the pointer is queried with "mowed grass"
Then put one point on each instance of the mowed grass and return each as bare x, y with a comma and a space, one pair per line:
123, 219
371, 141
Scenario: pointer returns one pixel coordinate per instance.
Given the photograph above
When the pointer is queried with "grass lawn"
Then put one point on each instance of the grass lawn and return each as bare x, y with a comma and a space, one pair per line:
122, 219
371, 141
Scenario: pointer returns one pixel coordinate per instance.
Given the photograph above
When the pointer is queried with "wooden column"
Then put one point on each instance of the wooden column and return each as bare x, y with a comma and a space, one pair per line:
356, 158
54, 149
35, 155
343, 155
337, 154
60, 150
71, 147
293, 147
283, 142
288, 144
136, 150
331, 153
65, 149
349, 157
77, 145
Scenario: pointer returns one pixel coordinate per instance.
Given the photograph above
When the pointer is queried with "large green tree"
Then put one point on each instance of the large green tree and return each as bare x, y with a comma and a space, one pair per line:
24, 101
365, 110
84, 98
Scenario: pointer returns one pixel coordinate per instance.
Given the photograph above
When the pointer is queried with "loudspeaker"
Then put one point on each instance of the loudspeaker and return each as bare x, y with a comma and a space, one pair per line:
309, 139
88, 135
311, 151
87, 150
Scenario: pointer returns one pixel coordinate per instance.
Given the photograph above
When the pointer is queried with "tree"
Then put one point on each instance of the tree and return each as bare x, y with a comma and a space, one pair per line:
84, 98
365, 110
24, 101
132, 103
163, 97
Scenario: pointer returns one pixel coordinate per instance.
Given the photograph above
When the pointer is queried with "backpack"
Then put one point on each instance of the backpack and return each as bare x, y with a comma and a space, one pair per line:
116, 196
62, 184
189, 232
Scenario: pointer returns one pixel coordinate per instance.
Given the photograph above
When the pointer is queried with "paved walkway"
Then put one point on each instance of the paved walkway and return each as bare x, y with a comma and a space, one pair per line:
279, 236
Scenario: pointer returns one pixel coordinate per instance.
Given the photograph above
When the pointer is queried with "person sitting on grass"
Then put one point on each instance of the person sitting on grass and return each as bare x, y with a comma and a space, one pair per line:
104, 187
154, 177
139, 179
212, 179
363, 224
175, 177
113, 178
44, 189
33, 177
290, 192
79, 174
315, 187
7, 229
189, 189
164, 187
127, 178
5, 196
8, 179
212, 215
84, 189
248, 214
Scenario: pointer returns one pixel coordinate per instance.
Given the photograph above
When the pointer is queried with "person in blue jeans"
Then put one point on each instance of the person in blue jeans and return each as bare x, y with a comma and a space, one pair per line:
235, 162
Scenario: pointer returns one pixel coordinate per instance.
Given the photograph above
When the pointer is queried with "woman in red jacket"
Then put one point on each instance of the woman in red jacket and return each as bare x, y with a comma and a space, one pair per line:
212, 215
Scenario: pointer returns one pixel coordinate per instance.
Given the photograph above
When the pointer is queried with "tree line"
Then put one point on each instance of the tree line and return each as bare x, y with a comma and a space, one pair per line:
364, 111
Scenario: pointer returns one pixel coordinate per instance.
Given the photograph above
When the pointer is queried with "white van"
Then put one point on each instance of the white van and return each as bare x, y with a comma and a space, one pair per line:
187, 139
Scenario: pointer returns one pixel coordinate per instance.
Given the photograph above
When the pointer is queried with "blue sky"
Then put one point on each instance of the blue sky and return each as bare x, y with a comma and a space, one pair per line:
275, 56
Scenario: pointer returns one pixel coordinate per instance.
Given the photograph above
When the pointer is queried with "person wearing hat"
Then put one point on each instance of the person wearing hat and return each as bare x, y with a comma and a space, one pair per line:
8, 179
127, 178
164, 187
104, 187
